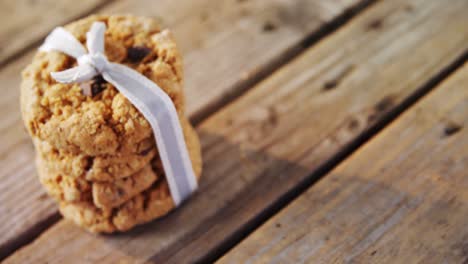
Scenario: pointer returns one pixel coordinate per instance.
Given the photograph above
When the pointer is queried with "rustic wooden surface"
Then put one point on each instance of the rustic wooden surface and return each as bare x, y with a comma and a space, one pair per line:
258, 149
200, 28
402, 198
25, 22
263, 147
252, 38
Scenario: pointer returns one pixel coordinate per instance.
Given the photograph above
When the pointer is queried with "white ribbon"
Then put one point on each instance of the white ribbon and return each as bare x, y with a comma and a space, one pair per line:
155, 105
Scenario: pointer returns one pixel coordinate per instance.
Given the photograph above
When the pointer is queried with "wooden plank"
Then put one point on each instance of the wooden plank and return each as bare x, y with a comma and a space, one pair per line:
270, 140
22, 207
219, 39
403, 198
207, 30
25, 22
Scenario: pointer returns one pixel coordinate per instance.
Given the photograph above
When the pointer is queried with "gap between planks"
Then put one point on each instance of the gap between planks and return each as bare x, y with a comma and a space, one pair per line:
232, 93
229, 204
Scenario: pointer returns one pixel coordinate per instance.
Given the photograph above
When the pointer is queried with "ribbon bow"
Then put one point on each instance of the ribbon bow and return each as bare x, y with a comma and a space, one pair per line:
155, 105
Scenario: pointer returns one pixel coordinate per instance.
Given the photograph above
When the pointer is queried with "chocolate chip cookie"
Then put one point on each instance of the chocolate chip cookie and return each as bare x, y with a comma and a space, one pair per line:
94, 118
96, 153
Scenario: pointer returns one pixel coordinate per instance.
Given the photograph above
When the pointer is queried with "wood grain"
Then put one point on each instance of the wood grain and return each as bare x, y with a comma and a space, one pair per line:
228, 43
218, 40
403, 198
274, 137
25, 22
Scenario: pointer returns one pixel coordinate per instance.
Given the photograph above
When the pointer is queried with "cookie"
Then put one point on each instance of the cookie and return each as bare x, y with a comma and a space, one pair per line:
113, 194
105, 122
63, 188
152, 203
104, 195
99, 168
96, 153
108, 195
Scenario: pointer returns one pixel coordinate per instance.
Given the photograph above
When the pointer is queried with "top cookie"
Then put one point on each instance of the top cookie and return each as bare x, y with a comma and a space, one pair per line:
100, 121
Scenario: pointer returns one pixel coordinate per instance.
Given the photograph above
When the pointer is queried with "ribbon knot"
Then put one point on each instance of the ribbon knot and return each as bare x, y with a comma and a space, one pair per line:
155, 105
98, 61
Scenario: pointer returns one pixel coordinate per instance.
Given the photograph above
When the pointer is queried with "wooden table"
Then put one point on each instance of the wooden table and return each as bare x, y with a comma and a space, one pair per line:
332, 131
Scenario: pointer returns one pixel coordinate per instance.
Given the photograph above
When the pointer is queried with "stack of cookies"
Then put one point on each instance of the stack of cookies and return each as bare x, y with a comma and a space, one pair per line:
96, 154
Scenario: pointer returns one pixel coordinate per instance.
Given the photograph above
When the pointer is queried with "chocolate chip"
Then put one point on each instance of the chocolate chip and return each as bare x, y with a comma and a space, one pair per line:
98, 85
145, 152
120, 192
138, 53
89, 163
94, 87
